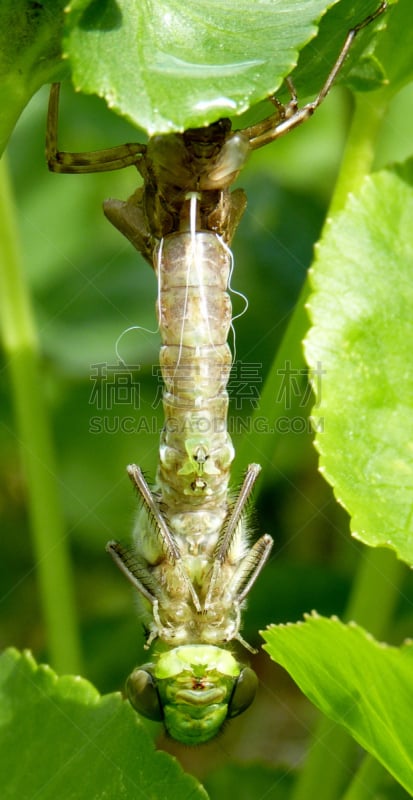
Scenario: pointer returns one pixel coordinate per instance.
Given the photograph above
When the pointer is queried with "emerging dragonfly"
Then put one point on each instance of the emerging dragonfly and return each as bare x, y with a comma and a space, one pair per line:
192, 562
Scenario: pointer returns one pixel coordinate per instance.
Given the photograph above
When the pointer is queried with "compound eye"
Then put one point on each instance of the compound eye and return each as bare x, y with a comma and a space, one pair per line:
244, 692
143, 695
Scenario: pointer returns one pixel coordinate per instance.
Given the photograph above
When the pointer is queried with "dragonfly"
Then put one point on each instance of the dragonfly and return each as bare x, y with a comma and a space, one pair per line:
193, 560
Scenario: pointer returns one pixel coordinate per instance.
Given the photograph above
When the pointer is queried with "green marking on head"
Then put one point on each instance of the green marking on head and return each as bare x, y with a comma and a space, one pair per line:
196, 657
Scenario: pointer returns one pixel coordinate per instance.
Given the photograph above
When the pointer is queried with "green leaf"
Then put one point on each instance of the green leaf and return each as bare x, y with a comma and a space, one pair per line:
359, 352
360, 683
60, 738
362, 70
168, 65
30, 54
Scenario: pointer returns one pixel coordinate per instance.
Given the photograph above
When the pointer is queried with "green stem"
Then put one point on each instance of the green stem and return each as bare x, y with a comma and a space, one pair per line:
380, 574
360, 150
331, 758
289, 355
33, 432
367, 781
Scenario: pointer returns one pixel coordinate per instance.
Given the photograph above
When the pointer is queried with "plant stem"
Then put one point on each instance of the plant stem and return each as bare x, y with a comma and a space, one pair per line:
331, 757
359, 153
33, 431
367, 780
380, 574
289, 356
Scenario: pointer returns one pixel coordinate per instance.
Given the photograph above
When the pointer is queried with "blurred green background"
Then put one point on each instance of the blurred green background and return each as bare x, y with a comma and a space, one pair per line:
89, 286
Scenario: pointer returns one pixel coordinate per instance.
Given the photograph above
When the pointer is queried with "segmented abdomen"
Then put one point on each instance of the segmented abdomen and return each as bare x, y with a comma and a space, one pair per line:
194, 312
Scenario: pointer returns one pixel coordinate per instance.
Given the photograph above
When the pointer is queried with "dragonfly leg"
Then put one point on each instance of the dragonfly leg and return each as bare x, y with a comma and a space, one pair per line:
142, 578
125, 155
234, 517
250, 567
246, 644
169, 542
289, 116
282, 112
239, 584
136, 570
230, 528
155, 629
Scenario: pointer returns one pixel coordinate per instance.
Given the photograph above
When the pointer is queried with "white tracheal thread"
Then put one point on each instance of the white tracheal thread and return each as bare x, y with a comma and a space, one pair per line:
127, 330
159, 277
238, 294
193, 198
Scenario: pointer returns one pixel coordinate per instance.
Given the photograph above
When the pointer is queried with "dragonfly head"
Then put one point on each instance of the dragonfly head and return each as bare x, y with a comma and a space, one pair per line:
193, 689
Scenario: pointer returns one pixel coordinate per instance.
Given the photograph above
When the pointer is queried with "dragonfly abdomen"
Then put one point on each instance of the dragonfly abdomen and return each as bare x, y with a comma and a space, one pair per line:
194, 312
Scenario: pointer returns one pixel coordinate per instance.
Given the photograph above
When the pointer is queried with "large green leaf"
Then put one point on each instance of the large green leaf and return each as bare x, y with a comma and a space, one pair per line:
168, 65
60, 739
359, 350
360, 683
